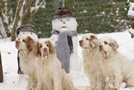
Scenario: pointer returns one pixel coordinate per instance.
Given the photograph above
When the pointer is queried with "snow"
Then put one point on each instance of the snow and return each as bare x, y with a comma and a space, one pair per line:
131, 10
38, 5
131, 30
13, 81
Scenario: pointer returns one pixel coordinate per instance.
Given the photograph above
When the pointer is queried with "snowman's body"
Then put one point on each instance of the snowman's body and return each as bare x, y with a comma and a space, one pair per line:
67, 25
28, 30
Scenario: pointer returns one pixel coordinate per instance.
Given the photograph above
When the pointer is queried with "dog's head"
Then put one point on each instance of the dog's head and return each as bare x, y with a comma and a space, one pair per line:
107, 46
45, 48
25, 43
89, 41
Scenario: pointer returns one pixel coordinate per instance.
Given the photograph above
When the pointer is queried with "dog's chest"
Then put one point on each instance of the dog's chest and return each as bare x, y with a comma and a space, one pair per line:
108, 67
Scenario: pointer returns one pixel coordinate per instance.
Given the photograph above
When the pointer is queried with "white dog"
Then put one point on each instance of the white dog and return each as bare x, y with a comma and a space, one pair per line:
51, 74
89, 44
26, 44
116, 67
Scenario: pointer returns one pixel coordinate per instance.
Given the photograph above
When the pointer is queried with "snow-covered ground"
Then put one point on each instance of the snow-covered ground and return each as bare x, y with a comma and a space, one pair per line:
13, 81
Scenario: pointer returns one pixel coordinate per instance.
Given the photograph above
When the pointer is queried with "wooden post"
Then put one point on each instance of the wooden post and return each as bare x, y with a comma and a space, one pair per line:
1, 70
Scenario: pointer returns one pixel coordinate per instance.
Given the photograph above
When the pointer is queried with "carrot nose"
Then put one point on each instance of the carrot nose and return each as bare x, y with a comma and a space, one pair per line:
64, 22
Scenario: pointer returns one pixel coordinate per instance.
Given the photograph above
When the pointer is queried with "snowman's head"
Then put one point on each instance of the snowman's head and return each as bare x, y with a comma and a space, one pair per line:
64, 24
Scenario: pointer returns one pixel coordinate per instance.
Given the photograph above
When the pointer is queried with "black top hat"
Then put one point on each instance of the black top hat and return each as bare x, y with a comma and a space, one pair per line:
62, 12
25, 28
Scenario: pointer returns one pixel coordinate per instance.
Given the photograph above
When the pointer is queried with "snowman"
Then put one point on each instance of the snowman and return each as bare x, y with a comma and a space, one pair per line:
64, 38
29, 30
131, 16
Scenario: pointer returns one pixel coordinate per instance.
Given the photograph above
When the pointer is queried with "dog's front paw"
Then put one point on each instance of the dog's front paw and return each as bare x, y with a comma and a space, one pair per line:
114, 89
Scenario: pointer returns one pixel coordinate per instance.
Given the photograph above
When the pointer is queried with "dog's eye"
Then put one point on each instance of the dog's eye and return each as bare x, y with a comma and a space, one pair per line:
40, 46
24, 40
105, 42
87, 39
47, 45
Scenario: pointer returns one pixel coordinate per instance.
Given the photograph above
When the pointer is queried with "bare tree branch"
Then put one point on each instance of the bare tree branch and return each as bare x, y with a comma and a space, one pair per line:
4, 18
38, 5
16, 20
23, 12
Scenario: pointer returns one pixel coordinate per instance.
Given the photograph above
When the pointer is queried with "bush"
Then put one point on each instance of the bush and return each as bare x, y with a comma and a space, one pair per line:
95, 16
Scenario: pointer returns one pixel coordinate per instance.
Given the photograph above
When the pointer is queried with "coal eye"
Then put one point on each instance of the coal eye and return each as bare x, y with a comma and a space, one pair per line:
61, 20
67, 19
105, 42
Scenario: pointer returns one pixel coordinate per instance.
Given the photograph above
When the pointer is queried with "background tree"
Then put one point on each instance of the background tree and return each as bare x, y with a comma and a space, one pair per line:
15, 12
95, 16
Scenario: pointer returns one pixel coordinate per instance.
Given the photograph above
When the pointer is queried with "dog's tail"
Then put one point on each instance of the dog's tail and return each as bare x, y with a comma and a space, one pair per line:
67, 83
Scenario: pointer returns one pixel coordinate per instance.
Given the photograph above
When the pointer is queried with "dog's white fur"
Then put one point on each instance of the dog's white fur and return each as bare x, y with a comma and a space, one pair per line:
117, 68
89, 44
51, 74
25, 44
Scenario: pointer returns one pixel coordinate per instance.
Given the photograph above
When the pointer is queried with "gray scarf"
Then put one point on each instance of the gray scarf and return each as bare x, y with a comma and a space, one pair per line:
65, 36
64, 47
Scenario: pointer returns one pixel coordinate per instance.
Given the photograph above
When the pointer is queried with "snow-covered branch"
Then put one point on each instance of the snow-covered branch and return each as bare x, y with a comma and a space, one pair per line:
4, 15
24, 9
38, 4
2, 29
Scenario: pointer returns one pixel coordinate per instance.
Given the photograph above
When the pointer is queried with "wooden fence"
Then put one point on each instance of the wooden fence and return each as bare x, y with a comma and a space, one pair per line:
1, 69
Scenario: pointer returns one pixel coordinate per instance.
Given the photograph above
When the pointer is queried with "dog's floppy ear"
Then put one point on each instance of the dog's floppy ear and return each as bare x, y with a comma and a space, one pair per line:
94, 40
93, 37
29, 43
37, 51
51, 47
114, 44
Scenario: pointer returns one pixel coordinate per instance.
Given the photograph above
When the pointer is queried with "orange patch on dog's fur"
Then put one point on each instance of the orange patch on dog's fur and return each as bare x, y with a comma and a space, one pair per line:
29, 43
62, 66
51, 47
